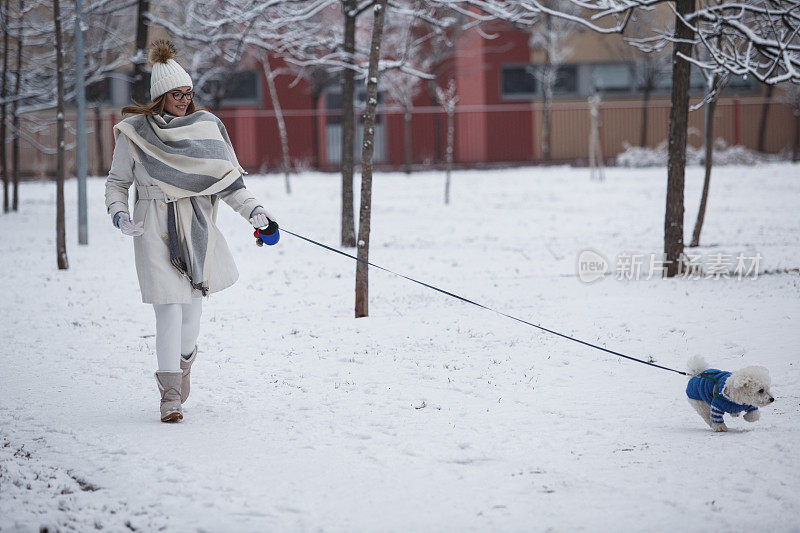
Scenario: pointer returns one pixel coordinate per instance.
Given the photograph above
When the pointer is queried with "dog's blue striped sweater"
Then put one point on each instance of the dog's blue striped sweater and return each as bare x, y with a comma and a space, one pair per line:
707, 387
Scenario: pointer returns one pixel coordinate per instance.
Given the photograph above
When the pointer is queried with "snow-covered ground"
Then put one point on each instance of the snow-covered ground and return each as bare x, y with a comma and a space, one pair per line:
430, 415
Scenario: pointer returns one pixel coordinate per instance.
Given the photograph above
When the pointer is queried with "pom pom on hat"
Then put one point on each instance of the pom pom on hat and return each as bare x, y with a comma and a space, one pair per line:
162, 51
167, 74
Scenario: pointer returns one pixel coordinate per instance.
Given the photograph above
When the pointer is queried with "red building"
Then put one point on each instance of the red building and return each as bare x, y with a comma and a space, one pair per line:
497, 121
498, 118
488, 127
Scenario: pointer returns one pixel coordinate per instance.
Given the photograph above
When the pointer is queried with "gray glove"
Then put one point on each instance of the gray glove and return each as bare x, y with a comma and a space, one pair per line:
260, 217
129, 228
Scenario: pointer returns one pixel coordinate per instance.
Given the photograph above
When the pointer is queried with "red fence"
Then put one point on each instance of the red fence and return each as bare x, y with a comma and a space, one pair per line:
501, 134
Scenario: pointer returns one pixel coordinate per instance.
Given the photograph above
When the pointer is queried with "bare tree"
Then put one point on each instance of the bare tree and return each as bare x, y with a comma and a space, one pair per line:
98, 138
15, 114
344, 53
141, 90
61, 241
306, 35
402, 86
791, 95
402, 89
678, 124
596, 161
4, 12
448, 100
367, 147
757, 39
550, 35
440, 31
270, 75
646, 68
715, 82
350, 13
548, 79
762, 123
36, 87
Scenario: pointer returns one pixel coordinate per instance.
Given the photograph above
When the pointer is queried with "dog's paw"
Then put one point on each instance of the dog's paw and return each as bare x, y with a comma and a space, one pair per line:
734, 414
752, 416
719, 427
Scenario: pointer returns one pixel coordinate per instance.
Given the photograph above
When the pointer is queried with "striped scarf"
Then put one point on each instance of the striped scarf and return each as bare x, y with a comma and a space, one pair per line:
191, 159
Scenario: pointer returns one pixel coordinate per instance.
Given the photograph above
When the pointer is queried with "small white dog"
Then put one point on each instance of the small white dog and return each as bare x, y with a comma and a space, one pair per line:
714, 392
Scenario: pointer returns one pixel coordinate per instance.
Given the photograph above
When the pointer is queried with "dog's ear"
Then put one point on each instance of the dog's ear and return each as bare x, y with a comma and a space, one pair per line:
740, 380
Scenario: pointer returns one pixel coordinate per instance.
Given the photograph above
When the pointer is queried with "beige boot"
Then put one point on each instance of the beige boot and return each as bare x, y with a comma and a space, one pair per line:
169, 385
186, 368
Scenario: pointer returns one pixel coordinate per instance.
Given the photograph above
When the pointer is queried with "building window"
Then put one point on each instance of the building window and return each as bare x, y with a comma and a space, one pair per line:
518, 81
742, 84
698, 84
697, 81
567, 79
612, 78
524, 81
333, 125
242, 85
333, 98
100, 92
239, 87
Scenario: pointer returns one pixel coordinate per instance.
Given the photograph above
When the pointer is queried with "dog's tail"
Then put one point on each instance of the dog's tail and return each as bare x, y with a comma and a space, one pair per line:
696, 365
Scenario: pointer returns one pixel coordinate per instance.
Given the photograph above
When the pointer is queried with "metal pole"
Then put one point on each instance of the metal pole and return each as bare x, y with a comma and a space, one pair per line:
80, 94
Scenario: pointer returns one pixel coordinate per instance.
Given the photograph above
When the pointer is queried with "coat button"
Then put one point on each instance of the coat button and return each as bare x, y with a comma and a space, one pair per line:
164, 236
162, 205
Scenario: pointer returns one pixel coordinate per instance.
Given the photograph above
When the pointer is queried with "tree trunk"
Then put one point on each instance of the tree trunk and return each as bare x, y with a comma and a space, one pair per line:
711, 108
367, 148
98, 136
407, 137
3, 107
437, 122
596, 160
546, 114
547, 87
15, 116
315, 128
762, 124
348, 124
61, 240
141, 87
678, 122
449, 153
647, 89
276, 106
796, 147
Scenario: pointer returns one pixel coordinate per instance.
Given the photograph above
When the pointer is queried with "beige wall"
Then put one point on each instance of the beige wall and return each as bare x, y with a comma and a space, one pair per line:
588, 46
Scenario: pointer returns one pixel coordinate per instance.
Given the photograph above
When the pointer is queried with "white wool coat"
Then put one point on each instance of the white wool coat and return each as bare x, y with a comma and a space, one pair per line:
159, 281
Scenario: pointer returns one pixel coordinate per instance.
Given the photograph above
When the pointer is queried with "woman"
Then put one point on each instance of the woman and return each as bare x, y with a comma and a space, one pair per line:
182, 162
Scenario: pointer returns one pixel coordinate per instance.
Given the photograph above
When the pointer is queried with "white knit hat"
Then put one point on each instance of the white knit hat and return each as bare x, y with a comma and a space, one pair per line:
167, 73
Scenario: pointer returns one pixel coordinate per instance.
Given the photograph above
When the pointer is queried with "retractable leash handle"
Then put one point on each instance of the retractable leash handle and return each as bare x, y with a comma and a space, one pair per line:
269, 235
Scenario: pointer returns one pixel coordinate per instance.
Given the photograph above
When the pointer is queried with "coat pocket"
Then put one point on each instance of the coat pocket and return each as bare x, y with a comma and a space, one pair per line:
140, 211
140, 214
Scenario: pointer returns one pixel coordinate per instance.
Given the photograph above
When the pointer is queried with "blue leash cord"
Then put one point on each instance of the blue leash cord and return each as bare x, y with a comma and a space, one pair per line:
456, 296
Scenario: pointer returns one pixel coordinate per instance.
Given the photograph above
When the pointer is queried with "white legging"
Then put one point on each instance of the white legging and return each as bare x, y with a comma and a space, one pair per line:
177, 328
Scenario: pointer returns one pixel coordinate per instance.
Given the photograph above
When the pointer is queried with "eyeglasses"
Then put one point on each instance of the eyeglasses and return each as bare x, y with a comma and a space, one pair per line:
179, 96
